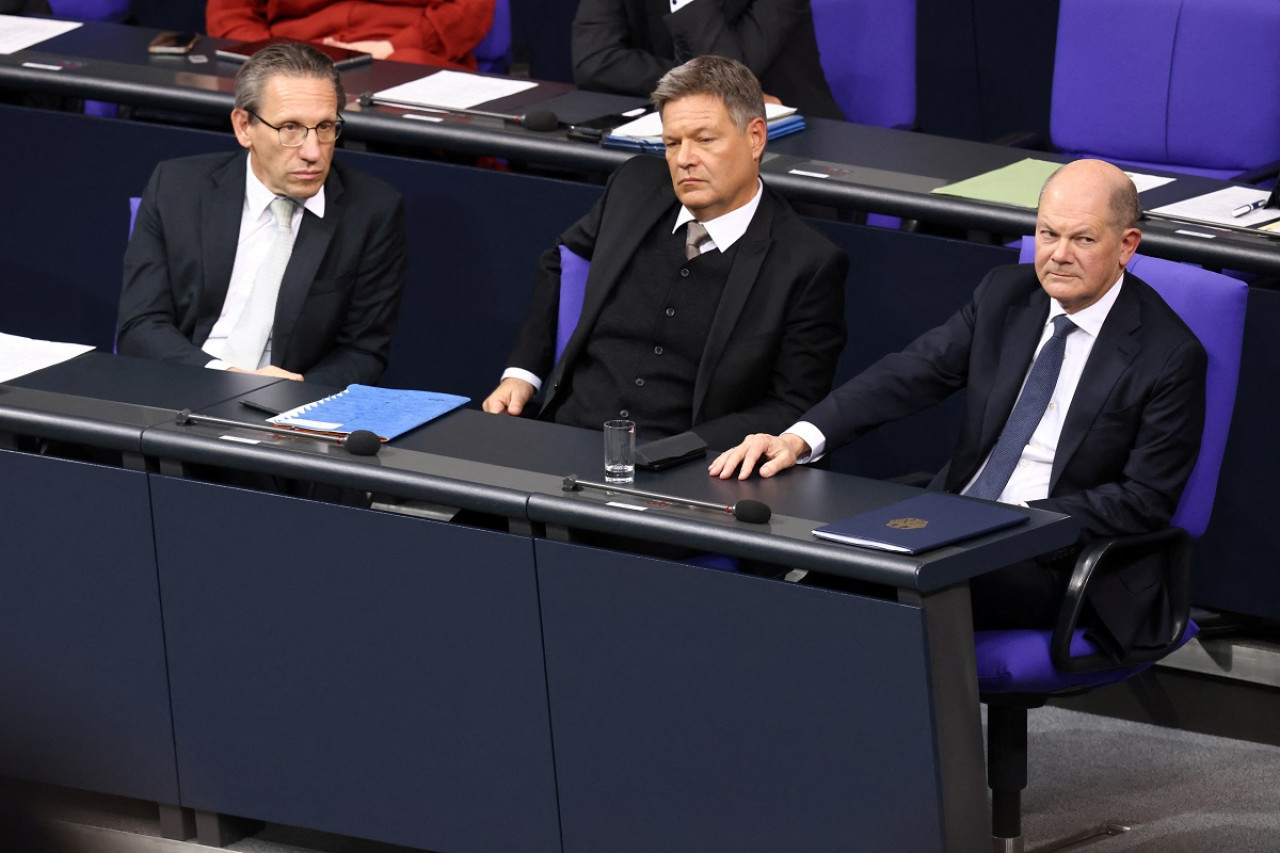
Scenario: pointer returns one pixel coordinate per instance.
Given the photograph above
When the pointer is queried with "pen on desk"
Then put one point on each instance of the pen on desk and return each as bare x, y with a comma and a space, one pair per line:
1246, 208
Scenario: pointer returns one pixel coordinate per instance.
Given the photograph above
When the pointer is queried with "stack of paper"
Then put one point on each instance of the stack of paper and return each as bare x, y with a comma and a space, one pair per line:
645, 133
386, 412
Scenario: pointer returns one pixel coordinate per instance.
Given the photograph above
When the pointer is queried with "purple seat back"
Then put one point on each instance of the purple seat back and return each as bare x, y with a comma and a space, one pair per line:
1163, 82
868, 53
1213, 306
573, 284
493, 53
90, 10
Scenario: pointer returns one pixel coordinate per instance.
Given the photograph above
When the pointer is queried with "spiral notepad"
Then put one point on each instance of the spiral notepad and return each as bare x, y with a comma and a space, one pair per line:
386, 412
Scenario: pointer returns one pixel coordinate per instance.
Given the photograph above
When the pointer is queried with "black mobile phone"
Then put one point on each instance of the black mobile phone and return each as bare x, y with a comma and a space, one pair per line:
172, 42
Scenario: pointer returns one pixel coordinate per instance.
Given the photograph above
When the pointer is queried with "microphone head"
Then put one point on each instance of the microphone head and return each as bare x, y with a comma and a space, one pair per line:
365, 99
540, 120
184, 416
752, 512
362, 442
570, 483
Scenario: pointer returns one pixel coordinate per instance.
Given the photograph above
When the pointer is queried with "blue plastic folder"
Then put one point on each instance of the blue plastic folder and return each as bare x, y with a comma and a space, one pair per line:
386, 412
917, 524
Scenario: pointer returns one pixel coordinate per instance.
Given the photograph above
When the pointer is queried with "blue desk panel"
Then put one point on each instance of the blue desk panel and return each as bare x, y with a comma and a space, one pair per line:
354, 671
699, 710
86, 696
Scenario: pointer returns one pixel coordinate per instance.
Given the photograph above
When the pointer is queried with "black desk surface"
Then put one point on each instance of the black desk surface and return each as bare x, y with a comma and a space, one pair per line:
871, 168
511, 467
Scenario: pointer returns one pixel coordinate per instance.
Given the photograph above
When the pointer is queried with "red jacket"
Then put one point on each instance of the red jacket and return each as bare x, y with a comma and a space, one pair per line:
433, 32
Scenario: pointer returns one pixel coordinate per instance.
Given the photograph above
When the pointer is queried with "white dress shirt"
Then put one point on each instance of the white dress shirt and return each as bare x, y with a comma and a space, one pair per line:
257, 232
722, 233
1030, 480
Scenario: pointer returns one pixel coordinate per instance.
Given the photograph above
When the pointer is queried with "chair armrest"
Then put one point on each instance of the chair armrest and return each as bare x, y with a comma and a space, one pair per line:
1095, 558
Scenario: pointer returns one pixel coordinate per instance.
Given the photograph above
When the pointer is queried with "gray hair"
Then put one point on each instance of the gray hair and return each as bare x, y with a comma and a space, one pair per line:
727, 79
286, 59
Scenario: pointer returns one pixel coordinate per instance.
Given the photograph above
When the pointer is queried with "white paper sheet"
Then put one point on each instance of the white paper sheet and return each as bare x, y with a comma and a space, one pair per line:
452, 90
18, 33
649, 125
20, 356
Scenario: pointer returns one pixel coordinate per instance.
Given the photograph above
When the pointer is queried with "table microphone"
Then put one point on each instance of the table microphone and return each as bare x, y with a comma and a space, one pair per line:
752, 512
362, 442
539, 120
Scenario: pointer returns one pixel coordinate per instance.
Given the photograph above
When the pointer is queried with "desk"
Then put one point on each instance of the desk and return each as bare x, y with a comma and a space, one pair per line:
884, 170
461, 686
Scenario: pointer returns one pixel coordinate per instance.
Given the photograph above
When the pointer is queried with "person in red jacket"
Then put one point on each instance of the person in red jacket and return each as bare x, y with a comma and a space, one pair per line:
431, 32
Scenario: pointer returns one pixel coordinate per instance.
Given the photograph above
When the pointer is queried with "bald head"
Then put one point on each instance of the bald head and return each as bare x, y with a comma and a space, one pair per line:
1085, 231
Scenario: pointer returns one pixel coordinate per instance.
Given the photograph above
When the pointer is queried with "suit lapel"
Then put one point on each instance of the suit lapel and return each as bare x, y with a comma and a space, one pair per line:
743, 275
1112, 352
309, 249
1024, 324
220, 215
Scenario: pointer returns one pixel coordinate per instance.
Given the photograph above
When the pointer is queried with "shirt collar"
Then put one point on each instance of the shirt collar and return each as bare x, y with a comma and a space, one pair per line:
259, 198
1091, 319
727, 229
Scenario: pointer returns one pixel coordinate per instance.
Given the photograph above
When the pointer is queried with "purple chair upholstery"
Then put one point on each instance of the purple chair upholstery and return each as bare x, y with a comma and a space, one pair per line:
868, 53
1018, 670
573, 284
493, 53
92, 10
1161, 84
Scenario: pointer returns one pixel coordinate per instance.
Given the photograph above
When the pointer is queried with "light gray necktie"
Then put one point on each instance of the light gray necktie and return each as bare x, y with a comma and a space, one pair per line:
248, 338
693, 240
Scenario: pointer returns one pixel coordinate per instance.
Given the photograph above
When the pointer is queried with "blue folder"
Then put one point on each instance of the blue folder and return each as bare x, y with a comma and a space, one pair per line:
926, 521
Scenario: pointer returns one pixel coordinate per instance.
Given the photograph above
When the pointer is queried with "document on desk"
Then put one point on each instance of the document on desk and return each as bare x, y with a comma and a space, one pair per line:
645, 132
386, 412
1235, 207
924, 522
451, 90
20, 356
1017, 184
19, 33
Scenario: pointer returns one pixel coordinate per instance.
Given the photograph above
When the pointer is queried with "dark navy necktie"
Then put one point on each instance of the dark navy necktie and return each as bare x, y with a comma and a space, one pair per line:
1026, 414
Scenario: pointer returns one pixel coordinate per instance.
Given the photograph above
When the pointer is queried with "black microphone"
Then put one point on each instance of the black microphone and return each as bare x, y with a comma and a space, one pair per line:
752, 512
361, 442
539, 120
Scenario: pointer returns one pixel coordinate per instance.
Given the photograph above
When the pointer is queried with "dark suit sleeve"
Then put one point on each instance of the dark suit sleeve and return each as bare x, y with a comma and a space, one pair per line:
148, 322
534, 349
1164, 451
363, 344
930, 369
609, 56
813, 335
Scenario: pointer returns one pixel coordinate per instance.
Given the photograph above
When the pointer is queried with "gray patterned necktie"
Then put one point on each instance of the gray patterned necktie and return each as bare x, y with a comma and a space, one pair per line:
693, 240
1026, 415
248, 339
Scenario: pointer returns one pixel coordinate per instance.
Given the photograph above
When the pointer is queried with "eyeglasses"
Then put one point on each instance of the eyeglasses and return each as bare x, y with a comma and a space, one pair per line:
292, 134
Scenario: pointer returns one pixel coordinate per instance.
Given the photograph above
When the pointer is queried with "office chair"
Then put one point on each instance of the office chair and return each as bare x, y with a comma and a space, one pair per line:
493, 53
1187, 86
867, 49
92, 10
1020, 670
573, 285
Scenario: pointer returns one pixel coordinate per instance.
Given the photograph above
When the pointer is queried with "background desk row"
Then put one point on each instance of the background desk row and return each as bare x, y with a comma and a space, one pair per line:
869, 169
452, 685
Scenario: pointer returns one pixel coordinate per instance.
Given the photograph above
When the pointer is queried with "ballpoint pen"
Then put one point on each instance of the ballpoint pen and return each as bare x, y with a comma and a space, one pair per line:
1245, 208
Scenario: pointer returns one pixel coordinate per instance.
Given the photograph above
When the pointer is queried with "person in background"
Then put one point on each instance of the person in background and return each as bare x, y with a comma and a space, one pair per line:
624, 46
430, 32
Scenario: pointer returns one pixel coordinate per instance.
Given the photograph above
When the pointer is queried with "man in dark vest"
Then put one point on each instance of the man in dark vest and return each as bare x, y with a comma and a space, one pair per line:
710, 306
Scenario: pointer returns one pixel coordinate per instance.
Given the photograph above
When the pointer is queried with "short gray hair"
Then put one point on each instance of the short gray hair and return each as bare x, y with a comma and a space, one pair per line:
286, 59
727, 79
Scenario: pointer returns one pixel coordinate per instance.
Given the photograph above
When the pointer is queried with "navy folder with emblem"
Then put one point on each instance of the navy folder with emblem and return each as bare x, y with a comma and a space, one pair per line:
917, 524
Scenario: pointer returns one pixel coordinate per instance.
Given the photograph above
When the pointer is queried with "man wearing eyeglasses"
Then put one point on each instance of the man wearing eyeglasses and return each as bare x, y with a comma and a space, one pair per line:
278, 261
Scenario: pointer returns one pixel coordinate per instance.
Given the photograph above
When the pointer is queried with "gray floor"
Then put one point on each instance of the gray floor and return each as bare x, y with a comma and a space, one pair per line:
1179, 792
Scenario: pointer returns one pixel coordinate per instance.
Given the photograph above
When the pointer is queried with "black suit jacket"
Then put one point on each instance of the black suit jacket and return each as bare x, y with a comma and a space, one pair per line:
340, 296
771, 350
1129, 441
626, 45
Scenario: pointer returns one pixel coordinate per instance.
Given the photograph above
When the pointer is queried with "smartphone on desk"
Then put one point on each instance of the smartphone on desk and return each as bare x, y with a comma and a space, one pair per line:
593, 130
173, 43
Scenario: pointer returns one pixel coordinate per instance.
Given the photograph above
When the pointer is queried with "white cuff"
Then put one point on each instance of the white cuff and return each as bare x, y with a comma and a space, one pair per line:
811, 436
219, 364
521, 373
677, 5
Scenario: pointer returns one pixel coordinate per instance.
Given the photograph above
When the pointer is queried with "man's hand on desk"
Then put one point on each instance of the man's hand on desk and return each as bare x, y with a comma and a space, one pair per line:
509, 398
379, 49
780, 451
270, 370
